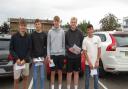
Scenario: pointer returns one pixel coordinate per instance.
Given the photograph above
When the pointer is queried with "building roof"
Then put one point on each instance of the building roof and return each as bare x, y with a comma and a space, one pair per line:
30, 20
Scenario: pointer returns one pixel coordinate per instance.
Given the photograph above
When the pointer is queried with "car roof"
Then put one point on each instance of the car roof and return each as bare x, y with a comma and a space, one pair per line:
112, 32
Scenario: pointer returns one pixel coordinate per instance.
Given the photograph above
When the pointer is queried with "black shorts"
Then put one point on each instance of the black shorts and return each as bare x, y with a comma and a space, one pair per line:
73, 64
58, 61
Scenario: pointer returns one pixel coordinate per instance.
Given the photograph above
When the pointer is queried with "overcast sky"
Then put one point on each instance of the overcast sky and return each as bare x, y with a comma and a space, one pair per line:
89, 10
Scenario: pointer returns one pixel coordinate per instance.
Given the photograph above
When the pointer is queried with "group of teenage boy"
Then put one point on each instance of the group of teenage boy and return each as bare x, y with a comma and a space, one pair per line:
54, 47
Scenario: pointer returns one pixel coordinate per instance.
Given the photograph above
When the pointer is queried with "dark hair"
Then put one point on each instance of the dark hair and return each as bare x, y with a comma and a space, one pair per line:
22, 22
56, 18
37, 20
89, 26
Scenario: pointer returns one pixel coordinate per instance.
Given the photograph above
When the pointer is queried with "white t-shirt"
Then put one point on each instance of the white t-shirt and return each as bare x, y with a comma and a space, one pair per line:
91, 45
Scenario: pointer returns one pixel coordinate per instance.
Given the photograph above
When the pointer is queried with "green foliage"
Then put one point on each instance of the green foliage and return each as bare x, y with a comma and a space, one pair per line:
109, 23
83, 26
4, 28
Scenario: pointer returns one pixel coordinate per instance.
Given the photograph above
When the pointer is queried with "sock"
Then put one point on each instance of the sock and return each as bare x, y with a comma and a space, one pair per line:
52, 87
60, 86
68, 86
76, 87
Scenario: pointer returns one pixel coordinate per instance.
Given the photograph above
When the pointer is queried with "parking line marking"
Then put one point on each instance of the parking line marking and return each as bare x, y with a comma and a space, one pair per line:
102, 85
31, 83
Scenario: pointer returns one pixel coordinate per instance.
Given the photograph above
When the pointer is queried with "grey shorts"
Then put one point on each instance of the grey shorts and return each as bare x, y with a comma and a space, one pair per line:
24, 72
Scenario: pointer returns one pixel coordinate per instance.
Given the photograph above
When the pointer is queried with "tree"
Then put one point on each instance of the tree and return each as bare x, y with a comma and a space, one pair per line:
83, 26
109, 23
4, 28
66, 25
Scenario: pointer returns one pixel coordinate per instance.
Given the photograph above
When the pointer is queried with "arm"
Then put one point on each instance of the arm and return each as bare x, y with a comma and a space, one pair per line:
45, 44
84, 47
82, 38
88, 60
11, 48
28, 55
48, 44
98, 54
63, 41
66, 41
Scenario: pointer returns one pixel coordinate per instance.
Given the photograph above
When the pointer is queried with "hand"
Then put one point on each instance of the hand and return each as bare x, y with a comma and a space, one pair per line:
18, 62
48, 59
97, 64
71, 49
43, 60
90, 65
22, 62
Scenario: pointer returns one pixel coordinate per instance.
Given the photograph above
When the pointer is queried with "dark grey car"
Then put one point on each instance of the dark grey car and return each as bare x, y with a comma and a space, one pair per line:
6, 66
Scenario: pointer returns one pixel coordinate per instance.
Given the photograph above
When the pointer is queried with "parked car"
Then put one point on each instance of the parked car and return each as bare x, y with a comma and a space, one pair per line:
82, 69
114, 51
6, 66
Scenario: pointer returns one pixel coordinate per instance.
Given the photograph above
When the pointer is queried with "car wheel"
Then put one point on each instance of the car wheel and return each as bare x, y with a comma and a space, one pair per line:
101, 70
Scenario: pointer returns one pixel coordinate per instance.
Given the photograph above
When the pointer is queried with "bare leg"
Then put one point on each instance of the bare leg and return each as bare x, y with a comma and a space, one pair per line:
16, 81
60, 78
69, 78
76, 78
52, 78
25, 82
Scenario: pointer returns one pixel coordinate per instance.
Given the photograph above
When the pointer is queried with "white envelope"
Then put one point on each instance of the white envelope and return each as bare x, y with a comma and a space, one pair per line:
93, 72
39, 59
18, 67
76, 49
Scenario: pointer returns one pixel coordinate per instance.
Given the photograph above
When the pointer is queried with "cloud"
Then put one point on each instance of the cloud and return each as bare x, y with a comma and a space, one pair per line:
90, 10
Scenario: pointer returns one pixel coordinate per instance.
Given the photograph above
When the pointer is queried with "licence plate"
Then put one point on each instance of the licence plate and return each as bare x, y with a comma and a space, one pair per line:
2, 71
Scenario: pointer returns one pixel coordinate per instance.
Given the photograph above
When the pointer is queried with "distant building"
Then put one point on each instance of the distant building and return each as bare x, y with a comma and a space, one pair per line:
125, 23
14, 22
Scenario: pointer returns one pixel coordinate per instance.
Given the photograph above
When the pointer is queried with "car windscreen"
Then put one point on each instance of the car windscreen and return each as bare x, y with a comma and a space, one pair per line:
121, 39
4, 44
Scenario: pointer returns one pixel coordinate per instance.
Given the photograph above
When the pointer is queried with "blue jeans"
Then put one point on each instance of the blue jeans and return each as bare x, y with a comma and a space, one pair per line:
87, 78
36, 70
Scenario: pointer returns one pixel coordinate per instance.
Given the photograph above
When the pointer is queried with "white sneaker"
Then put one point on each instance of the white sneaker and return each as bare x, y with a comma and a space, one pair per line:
60, 86
76, 87
68, 86
52, 86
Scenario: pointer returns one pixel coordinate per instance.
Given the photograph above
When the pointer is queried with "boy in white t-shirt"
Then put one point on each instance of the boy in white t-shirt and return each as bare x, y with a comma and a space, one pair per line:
92, 49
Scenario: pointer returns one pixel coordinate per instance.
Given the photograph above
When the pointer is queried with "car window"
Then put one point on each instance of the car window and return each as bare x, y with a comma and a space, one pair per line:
121, 39
4, 44
102, 37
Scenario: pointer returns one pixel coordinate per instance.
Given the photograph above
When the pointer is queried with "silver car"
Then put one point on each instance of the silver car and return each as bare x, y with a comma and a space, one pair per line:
6, 66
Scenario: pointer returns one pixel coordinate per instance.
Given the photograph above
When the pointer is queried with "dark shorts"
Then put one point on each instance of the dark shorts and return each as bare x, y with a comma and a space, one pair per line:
58, 61
73, 64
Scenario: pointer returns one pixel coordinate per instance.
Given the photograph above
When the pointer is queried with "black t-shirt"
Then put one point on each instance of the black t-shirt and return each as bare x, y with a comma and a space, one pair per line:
39, 44
73, 38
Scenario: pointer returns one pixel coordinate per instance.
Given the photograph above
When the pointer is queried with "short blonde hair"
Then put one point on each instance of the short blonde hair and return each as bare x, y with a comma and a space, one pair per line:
74, 18
56, 18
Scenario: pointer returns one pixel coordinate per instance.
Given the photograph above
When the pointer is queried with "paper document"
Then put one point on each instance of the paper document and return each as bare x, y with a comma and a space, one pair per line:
77, 49
19, 67
39, 59
93, 72
51, 64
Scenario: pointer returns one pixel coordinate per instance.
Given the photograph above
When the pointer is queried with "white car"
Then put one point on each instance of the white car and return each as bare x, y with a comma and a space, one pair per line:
114, 51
